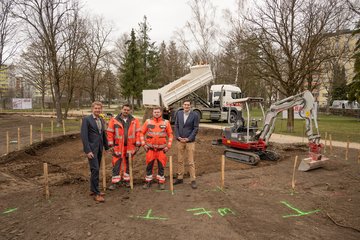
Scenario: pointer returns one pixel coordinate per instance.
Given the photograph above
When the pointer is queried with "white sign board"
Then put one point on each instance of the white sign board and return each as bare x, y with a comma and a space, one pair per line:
21, 103
298, 110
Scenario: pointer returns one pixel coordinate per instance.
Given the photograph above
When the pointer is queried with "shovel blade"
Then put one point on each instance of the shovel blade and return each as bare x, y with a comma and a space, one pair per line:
309, 164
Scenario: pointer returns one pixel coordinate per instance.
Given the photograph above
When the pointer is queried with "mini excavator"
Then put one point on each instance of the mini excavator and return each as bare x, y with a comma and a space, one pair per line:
246, 143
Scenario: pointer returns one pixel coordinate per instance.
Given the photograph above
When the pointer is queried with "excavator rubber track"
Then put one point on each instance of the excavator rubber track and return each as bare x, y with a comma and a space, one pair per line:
250, 158
268, 155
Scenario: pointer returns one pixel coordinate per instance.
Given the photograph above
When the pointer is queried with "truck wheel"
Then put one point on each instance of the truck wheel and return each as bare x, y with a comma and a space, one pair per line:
198, 113
233, 117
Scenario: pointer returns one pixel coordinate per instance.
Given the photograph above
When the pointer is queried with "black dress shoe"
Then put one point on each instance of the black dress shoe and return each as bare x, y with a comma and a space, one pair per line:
178, 181
193, 185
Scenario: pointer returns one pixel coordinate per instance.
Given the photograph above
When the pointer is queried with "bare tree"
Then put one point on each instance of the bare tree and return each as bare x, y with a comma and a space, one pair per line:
202, 30
74, 66
8, 28
46, 20
288, 35
120, 50
34, 68
98, 36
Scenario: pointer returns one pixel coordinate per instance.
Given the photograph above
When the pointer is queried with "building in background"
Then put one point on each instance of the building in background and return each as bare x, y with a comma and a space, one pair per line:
339, 66
4, 81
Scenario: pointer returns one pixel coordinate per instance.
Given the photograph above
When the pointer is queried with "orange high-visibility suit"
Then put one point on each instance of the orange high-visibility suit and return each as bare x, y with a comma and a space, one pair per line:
156, 135
124, 137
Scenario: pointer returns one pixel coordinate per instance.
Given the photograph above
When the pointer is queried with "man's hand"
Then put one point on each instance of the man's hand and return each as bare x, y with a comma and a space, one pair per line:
110, 150
146, 148
90, 155
165, 149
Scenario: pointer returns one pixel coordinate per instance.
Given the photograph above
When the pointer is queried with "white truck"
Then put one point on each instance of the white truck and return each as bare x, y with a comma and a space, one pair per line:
345, 104
216, 108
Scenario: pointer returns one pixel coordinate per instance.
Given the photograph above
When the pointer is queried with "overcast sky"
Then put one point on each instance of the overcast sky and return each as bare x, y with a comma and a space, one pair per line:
164, 16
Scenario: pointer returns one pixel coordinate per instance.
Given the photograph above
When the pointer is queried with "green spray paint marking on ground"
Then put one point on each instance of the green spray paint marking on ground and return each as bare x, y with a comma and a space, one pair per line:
300, 213
167, 191
9, 210
203, 211
149, 217
224, 211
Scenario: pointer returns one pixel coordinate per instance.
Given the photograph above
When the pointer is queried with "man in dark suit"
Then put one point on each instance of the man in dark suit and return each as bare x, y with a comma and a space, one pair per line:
186, 128
94, 140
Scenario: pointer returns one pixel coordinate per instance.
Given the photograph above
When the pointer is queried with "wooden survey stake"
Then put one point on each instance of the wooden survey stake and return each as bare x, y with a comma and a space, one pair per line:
171, 175
293, 175
7, 142
52, 128
222, 172
103, 170
131, 172
42, 132
347, 149
46, 181
19, 139
63, 123
31, 134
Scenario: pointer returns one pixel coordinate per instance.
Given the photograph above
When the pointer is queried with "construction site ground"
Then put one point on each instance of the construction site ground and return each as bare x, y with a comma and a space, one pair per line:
257, 202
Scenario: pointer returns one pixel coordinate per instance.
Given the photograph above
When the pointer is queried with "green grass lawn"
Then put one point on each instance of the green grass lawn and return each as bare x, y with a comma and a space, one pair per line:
341, 128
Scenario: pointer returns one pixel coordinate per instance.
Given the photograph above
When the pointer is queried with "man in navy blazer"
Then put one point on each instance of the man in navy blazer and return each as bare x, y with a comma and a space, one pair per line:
94, 140
186, 128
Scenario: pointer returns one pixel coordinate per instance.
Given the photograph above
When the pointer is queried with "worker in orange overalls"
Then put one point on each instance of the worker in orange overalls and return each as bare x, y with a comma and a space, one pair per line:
156, 139
123, 134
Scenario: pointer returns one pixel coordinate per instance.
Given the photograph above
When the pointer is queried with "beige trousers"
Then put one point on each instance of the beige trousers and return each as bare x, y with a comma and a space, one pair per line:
186, 150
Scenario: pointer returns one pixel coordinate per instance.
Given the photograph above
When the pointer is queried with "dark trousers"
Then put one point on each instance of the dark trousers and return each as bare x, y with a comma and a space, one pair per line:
149, 168
117, 166
94, 169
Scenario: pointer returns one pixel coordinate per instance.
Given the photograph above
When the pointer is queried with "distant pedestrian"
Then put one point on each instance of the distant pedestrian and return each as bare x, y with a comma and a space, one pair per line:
94, 140
156, 139
186, 128
123, 134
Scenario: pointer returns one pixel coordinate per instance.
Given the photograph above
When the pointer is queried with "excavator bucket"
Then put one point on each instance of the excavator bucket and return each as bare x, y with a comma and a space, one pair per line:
308, 163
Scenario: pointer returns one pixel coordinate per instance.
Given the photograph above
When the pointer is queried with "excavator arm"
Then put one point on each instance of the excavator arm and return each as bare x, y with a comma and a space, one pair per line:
306, 101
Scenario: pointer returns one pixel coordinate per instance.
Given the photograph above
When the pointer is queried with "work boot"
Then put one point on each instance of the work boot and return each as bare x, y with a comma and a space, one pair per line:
147, 185
112, 186
193, 185
178, 181
161, 186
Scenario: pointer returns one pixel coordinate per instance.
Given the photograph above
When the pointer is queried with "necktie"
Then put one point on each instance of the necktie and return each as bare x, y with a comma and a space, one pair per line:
98, 123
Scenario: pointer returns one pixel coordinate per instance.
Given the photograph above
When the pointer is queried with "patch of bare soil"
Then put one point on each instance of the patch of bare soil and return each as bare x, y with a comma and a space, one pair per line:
257, 202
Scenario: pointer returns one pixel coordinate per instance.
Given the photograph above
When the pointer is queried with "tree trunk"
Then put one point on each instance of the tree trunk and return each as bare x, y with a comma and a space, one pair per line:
43, 100
290, 120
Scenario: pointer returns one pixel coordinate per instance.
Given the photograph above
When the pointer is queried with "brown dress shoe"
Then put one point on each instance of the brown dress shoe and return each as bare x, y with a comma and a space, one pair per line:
99, 198
93, 194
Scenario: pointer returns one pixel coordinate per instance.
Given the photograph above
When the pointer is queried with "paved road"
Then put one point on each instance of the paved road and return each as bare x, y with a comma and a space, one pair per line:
279, 138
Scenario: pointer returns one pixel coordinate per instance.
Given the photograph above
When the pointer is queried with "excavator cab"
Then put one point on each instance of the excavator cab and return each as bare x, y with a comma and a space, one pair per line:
242, 138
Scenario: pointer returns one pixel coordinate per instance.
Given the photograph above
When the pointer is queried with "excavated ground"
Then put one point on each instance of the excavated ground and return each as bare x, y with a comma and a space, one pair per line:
257, 202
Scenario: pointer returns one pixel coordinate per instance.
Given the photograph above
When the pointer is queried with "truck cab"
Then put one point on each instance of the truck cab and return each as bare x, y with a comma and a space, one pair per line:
220, 95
